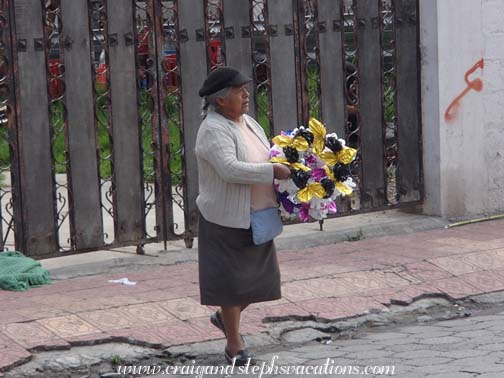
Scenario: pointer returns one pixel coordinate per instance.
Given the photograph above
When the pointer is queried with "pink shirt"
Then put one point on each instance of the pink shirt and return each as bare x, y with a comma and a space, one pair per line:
262, 196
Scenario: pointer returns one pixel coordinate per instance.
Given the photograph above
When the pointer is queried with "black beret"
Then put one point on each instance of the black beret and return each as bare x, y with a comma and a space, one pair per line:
221, 78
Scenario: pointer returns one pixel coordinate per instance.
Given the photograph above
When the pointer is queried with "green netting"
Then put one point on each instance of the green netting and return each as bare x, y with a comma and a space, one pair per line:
18, 272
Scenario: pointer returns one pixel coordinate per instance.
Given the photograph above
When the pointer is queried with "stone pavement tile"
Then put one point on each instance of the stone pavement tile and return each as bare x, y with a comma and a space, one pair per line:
68, 285
499, 252
68, 326
330, 308
406, 275
5, 340
252, 328
439, 250
138, 335
11, 317
206, 329
495, 244
166, 283
391, 279
493, 227
13, 355
297, 273
327, 287
455, 265
158, 295
121, 300
82, 305
384, 296
426, 271
371, 244
40, 312
361, 281
297, 291
252, 315
92, 293
260, 305
326, 269
478, 235
463, 242
51, 300
147, 313
484, 260
113, 289
415, 291
176, 333
17, 304
91, 339
32, 335
455, 287
286, 255
106, 320
6, 295
392, 259
284, 310
402, 294
185, 308
333, 308
354, 265
486, 281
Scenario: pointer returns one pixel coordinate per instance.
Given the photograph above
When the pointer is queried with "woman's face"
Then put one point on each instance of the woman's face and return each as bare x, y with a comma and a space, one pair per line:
236, 103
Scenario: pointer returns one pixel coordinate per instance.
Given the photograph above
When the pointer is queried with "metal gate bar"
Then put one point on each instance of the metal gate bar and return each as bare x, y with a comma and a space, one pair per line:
131, 168
86, 213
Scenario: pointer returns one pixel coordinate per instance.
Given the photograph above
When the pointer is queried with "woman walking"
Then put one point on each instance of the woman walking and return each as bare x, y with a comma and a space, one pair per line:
235, 179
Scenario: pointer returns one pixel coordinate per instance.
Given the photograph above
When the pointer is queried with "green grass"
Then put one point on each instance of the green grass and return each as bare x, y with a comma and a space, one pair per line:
263, 108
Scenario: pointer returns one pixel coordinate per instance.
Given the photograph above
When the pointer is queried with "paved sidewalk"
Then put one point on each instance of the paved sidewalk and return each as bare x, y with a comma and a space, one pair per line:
334, 281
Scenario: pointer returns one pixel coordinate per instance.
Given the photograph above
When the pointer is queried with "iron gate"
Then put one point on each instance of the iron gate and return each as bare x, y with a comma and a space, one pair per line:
100, 108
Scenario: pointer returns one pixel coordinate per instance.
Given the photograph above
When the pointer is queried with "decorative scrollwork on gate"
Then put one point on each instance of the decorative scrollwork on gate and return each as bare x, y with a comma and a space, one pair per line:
53, 25
388, 49
99, 38
172, 127
261, 61
8, 142
214, 32
351, 67
147, 107
310, 58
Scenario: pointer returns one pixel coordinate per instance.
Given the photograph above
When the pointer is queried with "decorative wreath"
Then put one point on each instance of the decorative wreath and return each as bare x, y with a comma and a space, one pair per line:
320, 171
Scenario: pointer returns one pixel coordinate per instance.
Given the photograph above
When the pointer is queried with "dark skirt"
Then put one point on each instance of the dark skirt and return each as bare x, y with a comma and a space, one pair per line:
232, 269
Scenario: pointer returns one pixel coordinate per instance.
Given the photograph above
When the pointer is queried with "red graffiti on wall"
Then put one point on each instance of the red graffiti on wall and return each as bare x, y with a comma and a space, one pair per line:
476, 84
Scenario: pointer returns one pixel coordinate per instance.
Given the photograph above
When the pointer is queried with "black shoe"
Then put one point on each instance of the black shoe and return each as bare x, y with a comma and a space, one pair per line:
217, 321
241, 358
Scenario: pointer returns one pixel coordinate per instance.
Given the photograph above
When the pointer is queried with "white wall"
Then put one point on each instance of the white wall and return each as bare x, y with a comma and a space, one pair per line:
464, 156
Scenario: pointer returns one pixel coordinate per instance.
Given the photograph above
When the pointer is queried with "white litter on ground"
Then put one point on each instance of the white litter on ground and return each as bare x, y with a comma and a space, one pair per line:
123, 281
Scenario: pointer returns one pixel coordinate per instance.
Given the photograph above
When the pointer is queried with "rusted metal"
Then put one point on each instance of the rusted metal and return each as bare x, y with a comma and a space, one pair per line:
98, 29
261, 64
54, 50
309, 61
147, 92
170, 115
175, 44
389, 98
10, 199
214, 34
352, 79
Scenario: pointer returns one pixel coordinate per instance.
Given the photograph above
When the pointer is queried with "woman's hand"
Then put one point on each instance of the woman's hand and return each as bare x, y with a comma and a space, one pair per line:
280, 171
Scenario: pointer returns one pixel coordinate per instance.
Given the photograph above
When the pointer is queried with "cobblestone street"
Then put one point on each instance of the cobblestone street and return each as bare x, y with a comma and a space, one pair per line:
469, 347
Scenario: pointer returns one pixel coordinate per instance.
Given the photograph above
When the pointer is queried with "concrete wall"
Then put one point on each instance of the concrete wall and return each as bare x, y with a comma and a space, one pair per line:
464, 151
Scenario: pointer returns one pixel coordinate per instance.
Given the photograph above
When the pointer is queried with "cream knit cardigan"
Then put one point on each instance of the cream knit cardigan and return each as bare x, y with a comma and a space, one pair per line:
224, 174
